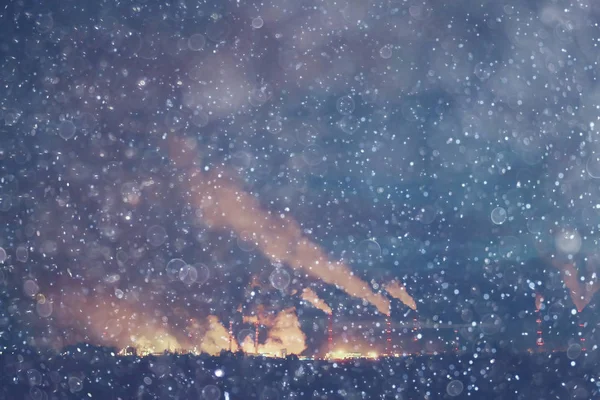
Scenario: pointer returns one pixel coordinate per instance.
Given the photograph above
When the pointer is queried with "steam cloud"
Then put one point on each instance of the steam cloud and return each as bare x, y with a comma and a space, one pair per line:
310, 296
225, 206
398, 291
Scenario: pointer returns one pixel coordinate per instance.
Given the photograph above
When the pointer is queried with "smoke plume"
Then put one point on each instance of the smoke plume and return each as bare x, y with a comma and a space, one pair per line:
398, 291
285, 334
125, 322
581, 292
116, 323
225, 206
260, 316
250, 319
310, 296
216, 337
255, 282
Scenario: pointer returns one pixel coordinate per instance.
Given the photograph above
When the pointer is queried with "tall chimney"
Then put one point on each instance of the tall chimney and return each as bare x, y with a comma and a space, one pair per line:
256, 338
539, 299
415, 328
388, 349
540, 338
580, 332
456, 341
330, 333
230, 335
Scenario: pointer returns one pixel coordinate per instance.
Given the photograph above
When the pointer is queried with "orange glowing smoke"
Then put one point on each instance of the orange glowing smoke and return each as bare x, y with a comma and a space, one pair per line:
260, 316
255, 282
209, 336
117, 323
310, 296
581, 293
285, 334
216, 337
225, 206
250, 319
539, 299
122, 323
398, 291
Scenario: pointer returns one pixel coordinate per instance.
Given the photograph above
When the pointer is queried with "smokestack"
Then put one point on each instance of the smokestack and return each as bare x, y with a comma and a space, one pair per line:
256, 338
538, 307
540, 337
330, 333
415, 328
230, 336
580, 333
388, 349
456, 341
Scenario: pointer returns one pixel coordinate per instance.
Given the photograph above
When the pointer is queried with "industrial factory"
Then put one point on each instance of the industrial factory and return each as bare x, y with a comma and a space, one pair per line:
283, 338
278, 335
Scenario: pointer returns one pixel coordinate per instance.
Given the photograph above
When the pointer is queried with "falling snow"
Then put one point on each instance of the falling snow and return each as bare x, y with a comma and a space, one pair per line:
299, 199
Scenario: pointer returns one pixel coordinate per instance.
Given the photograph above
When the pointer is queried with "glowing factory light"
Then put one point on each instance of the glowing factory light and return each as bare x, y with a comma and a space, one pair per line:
340, 355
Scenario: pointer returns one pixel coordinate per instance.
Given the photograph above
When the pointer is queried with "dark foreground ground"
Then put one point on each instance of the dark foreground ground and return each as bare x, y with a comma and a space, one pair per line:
87, 372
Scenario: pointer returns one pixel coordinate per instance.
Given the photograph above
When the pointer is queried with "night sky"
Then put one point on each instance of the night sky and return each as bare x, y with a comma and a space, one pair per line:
168, 167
